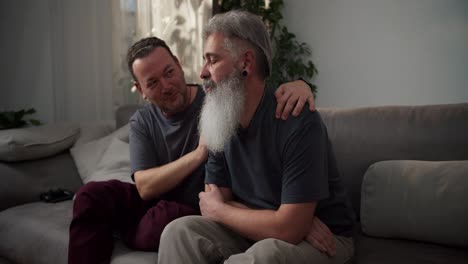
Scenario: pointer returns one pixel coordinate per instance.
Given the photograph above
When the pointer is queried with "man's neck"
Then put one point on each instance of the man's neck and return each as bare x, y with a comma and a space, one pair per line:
254, 93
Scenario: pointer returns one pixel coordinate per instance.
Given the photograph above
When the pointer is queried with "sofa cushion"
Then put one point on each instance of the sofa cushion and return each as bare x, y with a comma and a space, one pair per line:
114, 164
94, 130
365, 135
24, 181
36, 142
38, 233
418, 200
35, 232
104, 156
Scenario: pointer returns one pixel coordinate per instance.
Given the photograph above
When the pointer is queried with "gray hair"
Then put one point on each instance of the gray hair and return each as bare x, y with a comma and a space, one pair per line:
242, 25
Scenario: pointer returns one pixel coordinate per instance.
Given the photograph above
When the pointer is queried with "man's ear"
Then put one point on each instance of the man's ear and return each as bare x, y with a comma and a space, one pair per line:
140, 91
248, 61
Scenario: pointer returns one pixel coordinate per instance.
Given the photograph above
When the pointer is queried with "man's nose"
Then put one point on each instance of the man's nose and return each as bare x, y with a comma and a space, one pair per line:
165, 86
204, 73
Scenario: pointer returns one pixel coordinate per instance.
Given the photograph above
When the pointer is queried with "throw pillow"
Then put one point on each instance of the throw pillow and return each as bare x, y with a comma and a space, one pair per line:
418, 200
87, 156
36, 142
114, 164
94, 130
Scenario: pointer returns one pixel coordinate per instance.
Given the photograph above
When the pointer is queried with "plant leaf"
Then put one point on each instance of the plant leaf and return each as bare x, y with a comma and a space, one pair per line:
34, 122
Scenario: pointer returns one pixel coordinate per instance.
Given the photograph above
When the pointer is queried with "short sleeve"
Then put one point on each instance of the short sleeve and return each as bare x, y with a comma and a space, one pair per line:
142, 153
305, 156
216, 170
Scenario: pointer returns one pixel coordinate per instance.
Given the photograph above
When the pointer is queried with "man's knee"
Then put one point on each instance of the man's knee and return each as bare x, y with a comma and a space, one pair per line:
180, 227
98, 188
269, 246
263, 251
87, 192
92, 196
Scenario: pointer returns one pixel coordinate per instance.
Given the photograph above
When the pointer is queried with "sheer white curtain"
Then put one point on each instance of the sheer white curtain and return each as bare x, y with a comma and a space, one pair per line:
178, 22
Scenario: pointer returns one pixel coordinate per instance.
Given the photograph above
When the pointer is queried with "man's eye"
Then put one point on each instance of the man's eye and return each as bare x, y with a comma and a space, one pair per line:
152, 84
170, 73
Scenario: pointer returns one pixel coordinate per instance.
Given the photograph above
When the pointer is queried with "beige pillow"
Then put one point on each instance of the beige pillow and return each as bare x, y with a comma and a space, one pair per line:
36, 142
94, 130
114, 164
88, 156
417, 200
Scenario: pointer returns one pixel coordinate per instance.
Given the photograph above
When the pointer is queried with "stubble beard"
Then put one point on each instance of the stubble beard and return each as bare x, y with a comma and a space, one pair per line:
221, 113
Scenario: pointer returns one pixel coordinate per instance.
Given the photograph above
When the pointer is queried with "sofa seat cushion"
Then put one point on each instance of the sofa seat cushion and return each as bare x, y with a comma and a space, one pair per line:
370, 250
38, 233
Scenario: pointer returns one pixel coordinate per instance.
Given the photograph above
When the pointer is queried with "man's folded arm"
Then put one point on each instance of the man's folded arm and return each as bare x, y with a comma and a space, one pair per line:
156, 181
290, 223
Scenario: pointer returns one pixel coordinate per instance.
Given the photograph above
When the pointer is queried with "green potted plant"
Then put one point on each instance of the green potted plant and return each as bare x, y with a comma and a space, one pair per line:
14, 119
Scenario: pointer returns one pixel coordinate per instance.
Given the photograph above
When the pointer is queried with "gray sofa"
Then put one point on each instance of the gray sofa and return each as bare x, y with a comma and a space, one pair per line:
32, 231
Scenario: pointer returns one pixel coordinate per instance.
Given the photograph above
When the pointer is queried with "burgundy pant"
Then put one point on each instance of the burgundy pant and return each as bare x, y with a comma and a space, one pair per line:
100, 208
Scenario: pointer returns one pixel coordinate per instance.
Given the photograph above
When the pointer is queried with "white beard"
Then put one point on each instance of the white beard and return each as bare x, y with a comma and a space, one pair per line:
221, 112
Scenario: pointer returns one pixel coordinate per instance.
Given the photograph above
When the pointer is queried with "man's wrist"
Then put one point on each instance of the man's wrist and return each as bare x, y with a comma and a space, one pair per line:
201, 154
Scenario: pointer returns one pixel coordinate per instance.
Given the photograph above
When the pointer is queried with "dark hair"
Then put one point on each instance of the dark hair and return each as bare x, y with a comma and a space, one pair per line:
142, 48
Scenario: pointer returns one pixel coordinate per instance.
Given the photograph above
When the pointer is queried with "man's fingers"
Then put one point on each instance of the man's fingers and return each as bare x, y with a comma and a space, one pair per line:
299, 105
282, 99
279, 92
212, 187
325, 229
316, 244
326, 235
200, 195
311, 101
288, 108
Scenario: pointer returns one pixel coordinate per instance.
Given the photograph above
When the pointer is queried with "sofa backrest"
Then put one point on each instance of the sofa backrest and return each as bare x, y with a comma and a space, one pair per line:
123, 114
363, 136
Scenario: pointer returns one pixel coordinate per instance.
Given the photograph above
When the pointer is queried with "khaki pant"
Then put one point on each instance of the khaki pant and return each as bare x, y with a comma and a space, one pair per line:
195, 239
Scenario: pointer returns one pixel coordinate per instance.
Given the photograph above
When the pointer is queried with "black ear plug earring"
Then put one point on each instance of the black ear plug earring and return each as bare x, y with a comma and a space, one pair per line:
244, 73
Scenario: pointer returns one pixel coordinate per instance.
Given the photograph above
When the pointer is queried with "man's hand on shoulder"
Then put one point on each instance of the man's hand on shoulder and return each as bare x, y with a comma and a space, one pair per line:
292, 96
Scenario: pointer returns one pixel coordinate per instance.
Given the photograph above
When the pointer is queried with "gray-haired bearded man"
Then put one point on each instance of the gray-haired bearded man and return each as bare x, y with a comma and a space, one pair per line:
268, 181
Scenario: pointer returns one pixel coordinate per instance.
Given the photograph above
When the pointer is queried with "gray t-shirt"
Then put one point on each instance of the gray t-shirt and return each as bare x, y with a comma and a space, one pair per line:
274, 162
156, 140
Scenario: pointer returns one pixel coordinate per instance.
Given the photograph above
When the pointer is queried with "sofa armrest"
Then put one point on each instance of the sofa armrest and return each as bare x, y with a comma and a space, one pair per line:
23, 182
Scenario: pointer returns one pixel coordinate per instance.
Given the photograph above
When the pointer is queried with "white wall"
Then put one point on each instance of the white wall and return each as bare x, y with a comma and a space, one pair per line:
57, 57
385, 52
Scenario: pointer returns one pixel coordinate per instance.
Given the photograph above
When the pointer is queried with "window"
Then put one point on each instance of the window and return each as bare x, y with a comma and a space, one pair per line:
178, 22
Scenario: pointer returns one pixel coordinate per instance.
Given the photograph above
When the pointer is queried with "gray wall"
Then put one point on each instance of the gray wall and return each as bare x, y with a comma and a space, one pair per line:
57, 57
56, 54
26, 67
385, 52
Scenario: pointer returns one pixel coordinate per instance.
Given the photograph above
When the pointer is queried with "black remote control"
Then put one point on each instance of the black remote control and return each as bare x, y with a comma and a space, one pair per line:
56, 195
